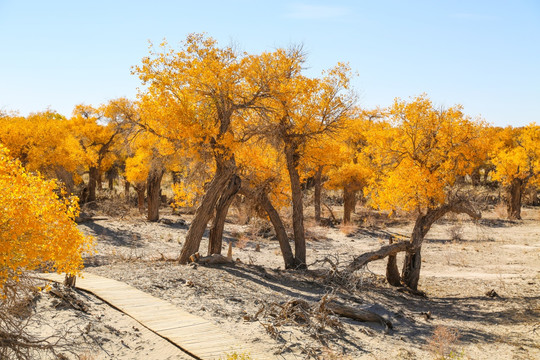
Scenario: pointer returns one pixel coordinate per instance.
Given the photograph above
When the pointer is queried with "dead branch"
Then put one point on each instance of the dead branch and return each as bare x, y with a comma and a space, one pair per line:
362, 260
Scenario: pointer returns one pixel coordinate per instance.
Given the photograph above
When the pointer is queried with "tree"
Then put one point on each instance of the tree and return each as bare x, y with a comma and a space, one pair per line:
305, 109
350, 169
419, 152
265, 182
199, 95
43, 142
98, 131
37, 227
516, 157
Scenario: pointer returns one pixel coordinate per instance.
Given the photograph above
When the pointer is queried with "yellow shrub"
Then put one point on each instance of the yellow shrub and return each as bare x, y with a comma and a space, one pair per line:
36, 225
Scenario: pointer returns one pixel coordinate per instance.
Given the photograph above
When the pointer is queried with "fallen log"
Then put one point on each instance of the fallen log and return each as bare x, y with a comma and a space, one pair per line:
336, 308
387, 250
214, 259
357, 314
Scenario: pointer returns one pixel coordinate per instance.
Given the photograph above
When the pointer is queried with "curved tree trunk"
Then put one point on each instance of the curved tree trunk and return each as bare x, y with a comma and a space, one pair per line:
281, 233
292, 157
153, 184
514, 194
317, 195
92, 182
349, 204
205, 210
216, 231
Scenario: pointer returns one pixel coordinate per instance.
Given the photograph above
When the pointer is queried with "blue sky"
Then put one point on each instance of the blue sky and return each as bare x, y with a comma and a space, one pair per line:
482, 54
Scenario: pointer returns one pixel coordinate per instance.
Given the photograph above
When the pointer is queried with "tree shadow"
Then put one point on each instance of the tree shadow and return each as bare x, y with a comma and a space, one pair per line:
115, 237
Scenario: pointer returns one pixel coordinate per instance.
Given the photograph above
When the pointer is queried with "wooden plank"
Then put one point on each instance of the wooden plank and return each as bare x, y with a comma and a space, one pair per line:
192, 333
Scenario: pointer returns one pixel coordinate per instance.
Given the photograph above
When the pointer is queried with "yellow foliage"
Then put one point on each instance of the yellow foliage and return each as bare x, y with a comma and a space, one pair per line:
42, 142
420, 152
516, 154
36, 226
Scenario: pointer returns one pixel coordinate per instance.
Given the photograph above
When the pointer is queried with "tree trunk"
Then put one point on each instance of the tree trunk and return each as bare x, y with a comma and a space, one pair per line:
153, 184
111, 183
176, 177
140, 188
392, 272
281, 233
411, 268
349, 203
92, 182
126, 189
66, 178
205, 210
514, 194
292, 157
216, 231
99, 180
317, 197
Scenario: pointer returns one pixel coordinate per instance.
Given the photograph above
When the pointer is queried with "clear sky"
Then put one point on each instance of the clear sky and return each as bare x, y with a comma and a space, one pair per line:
482, 54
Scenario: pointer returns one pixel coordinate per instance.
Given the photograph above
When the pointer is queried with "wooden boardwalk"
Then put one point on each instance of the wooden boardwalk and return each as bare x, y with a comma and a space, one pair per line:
196, 336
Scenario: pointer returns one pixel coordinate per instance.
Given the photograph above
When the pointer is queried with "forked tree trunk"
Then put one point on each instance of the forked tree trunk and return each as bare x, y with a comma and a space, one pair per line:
92, 182
514, 193
280, 231
205, 210
292, 158
153, 184
317, 195
349, 204
216, 231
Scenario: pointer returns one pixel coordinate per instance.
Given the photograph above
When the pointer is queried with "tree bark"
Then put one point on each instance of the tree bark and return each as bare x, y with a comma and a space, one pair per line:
205, 210
292, 158
281, 233
514, 193
349, 204
153, 192
216, 231
92, 182
392, 273
317, 195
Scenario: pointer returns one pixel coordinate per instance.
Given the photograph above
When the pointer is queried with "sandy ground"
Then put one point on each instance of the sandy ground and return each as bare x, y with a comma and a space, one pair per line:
462, 262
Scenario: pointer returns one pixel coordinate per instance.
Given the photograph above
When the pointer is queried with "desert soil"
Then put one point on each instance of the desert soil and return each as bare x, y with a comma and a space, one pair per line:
482, 282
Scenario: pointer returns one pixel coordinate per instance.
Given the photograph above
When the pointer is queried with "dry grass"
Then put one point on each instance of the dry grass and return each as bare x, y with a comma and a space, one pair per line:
444, 342
348, 229
455, 232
